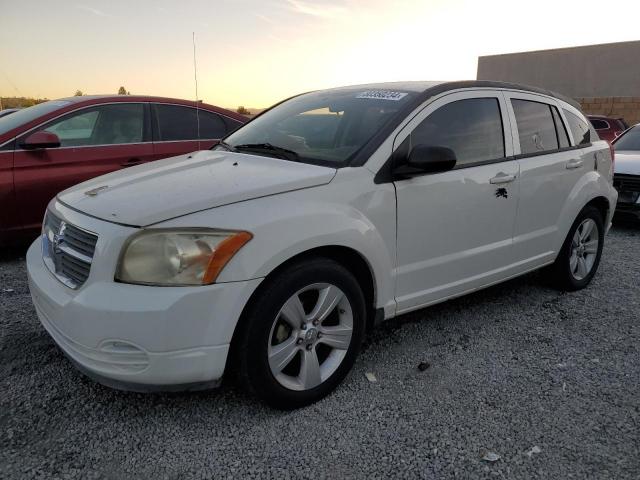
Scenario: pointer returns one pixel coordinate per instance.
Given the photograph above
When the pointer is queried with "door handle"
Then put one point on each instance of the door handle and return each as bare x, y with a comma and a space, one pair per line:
571, 164
132, 162
502, 178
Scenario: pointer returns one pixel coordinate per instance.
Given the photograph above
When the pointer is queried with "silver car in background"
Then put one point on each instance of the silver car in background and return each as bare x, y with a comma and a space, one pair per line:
626, 178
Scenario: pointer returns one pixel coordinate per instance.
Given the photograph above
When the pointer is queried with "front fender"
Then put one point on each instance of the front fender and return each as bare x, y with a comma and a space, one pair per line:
290, 224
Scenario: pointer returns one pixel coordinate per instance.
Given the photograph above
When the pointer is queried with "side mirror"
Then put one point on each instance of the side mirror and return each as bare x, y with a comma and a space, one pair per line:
41, 139
427, 159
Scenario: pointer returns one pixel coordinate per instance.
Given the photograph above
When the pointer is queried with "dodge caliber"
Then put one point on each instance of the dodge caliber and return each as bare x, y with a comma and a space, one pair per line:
268, 258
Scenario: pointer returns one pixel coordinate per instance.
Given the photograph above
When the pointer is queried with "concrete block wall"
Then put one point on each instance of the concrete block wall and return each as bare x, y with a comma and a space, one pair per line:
625, 107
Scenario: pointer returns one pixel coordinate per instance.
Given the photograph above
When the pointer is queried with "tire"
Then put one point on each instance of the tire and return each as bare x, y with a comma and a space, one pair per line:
292, 353
578, 259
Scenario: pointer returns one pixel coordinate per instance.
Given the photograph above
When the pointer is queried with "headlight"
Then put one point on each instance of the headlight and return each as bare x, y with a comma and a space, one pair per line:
178, 257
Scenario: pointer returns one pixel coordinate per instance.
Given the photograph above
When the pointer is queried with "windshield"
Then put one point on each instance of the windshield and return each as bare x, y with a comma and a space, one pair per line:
9, 122
324, 128
629, 140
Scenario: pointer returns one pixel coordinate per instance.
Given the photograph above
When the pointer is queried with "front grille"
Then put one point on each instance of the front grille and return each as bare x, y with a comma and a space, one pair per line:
67, 250
626, 183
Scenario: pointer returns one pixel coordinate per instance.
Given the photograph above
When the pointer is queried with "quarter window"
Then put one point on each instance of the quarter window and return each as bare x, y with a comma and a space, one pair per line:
472, 128
181, 123
118, 123
536, 127
579, 128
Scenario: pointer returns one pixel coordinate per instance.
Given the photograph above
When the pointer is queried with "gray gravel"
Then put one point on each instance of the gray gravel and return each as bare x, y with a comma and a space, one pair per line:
510, 368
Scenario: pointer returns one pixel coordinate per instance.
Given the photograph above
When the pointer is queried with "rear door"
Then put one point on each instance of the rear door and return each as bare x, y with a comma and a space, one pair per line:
454, 229
93, 141
9, 216
550, 166
179, 129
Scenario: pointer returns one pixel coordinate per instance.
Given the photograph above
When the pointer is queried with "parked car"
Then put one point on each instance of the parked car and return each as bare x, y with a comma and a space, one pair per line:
53, 145
7, 111
626, 177
608, 128
271, 255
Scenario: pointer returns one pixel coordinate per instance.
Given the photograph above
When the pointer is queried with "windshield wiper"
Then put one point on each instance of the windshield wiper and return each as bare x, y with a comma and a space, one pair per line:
225, 145
267, 147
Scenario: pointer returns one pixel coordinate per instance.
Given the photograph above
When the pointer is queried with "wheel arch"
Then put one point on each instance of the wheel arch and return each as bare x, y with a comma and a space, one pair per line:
602, 204
591, 190
348, 257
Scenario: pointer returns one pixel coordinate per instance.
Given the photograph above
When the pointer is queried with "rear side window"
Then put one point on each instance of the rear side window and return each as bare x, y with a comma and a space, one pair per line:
472, 128
232, 125
536, 127
176, 122
599, 124
579, 128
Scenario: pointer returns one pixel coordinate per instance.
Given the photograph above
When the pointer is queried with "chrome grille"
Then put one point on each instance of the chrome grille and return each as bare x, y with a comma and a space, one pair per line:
67, 250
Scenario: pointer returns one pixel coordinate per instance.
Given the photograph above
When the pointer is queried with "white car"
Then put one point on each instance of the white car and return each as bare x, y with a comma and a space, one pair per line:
626, 176
272, 255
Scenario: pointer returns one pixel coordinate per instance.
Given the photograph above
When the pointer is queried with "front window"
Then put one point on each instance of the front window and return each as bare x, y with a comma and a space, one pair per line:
324, 128
113, 124
629, 140
472, 128
26, 115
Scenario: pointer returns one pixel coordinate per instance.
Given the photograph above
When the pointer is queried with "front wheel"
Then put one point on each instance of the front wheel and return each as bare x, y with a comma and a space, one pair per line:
301, 334
579, 257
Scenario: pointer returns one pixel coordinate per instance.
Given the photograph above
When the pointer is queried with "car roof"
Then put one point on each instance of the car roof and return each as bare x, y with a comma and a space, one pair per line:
428, 89
91, 99
69, 104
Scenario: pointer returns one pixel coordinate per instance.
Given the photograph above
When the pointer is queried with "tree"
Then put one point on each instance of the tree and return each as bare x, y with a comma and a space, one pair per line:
78, 93
243, 111
123, 91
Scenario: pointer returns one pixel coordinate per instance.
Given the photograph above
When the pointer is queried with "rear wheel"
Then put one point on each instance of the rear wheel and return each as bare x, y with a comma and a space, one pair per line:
579, 257
301, 334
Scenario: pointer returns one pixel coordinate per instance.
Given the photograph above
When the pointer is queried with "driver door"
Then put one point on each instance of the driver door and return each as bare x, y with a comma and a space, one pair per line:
455, 228
93, 141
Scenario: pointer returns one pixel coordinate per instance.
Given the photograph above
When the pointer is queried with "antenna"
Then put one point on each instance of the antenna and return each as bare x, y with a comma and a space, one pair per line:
195, 78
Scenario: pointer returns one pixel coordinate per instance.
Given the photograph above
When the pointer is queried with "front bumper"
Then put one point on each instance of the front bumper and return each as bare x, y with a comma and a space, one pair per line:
137, 337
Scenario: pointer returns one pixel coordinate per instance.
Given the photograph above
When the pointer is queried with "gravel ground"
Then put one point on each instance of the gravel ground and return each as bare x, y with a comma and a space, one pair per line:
548, 381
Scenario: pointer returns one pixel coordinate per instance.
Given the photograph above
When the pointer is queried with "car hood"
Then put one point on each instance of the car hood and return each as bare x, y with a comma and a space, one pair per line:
169, 188
627, 162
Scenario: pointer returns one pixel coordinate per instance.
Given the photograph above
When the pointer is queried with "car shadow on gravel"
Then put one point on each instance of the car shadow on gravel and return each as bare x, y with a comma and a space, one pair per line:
9, 254
451, 309
33, 361
448, 322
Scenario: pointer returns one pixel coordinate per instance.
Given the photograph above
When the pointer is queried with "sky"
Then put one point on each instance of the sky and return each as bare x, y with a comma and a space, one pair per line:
257, 52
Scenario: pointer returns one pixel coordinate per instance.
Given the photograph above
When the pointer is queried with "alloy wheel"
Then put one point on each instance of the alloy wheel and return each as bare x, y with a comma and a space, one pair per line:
584, 249
310, 336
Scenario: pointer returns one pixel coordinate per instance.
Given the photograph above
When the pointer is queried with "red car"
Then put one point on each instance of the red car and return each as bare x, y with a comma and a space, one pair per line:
53, 145
608, 128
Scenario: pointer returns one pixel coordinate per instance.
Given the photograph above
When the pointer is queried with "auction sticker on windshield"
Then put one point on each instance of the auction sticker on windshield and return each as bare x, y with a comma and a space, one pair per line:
382, 95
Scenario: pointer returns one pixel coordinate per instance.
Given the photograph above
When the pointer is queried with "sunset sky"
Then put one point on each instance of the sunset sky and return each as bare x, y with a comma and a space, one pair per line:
256, 52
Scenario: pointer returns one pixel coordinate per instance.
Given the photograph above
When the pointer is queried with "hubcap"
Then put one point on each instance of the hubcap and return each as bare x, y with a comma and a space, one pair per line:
310, 336
584, 249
